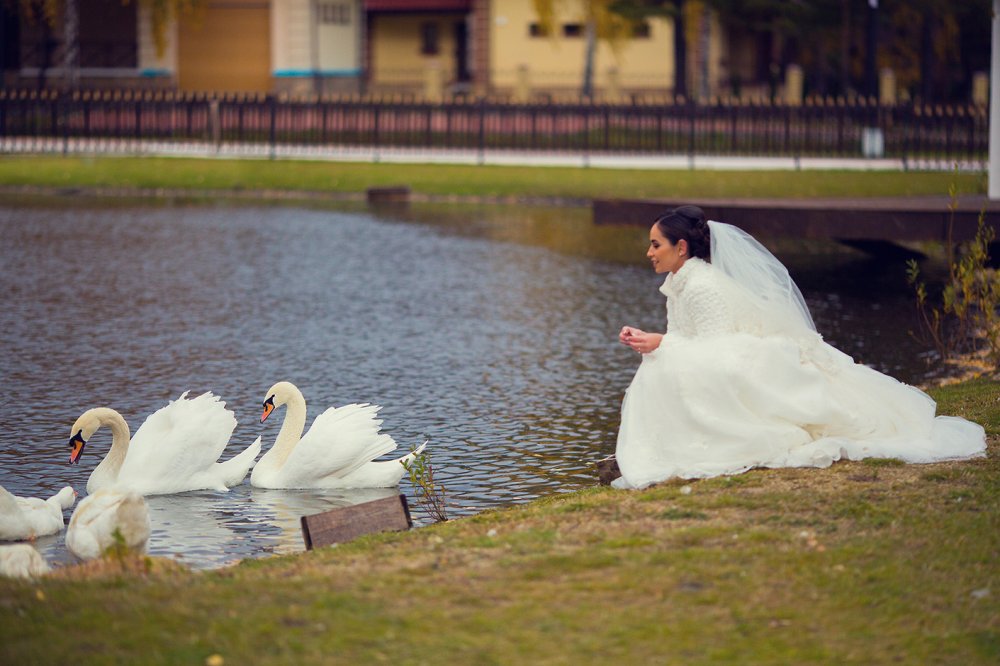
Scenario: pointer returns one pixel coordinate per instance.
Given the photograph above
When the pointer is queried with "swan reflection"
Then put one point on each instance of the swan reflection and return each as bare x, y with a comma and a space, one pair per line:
284, 509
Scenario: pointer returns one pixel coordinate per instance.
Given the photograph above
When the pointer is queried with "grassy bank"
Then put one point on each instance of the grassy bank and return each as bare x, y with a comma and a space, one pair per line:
871, 562
211, 174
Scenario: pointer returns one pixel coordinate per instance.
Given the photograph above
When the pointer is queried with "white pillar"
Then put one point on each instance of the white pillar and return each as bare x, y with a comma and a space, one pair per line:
994, 180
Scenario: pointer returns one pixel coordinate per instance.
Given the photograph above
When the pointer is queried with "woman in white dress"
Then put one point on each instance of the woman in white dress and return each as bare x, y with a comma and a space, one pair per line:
741, 378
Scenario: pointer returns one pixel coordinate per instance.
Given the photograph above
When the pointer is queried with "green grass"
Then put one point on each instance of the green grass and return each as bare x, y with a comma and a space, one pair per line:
858, 563
461, 180
871, 563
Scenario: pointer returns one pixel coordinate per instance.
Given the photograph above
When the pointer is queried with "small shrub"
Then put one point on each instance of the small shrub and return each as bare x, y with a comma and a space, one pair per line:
968, 318
430, 494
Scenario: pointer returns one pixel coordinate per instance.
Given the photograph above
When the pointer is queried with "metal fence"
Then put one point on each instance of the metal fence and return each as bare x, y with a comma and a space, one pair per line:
123, 121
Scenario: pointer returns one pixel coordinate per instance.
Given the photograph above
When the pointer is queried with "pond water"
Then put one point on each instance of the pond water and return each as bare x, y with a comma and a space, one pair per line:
490, 332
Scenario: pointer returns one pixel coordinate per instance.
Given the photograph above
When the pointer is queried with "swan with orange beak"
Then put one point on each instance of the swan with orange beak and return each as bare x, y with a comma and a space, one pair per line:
175, 450
338, 451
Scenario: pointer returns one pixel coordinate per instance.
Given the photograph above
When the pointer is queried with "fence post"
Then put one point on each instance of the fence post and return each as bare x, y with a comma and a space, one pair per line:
273, 108
482, 130
213, 122
138, 117
691, 110
61, 116
3, 117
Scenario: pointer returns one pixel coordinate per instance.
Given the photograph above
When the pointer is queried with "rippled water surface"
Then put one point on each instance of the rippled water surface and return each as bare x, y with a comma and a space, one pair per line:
489, 332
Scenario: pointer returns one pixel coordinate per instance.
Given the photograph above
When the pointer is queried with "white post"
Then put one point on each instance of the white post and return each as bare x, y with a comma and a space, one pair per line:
994, 179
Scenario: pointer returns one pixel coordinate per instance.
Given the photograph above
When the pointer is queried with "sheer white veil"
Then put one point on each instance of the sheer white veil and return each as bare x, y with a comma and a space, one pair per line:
738, 254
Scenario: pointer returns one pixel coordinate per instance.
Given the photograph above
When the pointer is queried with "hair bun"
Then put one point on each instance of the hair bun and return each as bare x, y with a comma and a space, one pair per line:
689, 223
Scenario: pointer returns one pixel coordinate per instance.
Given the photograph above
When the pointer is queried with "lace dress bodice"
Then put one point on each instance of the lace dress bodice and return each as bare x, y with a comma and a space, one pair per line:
701, 301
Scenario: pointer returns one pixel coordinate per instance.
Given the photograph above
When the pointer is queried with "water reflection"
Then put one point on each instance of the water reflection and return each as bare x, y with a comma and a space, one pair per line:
490, 332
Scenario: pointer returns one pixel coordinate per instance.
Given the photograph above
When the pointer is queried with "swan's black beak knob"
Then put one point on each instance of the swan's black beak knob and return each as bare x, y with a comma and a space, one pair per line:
76, 444
268, 408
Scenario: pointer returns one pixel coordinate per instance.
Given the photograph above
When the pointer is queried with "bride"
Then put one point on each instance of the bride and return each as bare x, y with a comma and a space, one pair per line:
741, 378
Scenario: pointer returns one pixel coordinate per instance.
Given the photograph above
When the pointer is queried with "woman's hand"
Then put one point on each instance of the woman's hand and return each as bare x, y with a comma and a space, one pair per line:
625, 335
639, 340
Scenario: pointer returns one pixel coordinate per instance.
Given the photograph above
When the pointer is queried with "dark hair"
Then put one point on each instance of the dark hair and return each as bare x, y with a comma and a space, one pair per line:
688, 223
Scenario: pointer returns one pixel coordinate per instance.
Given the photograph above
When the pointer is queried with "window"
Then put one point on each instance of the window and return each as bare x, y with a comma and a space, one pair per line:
641, 30
429, 38
572, 30
334, 13
538, 30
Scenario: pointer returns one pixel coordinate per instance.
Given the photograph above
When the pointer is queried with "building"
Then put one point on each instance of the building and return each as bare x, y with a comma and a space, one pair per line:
426, 48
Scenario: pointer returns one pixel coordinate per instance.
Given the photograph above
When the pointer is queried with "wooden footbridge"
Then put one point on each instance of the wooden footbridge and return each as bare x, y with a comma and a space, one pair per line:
865, 223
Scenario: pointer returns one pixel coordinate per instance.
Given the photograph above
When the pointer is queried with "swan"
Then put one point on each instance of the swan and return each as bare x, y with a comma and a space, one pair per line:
30, 517
336, 452
175, 450
108, 517
21, 560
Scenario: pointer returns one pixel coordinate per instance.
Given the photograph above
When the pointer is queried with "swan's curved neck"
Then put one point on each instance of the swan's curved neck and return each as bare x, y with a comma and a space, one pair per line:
120, 438
291, 427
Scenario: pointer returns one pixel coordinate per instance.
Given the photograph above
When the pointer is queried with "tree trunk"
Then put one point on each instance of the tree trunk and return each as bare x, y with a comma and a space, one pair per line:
71, 53
705, 35
590, 32
48, 44
680, 50
845, 46
927, 58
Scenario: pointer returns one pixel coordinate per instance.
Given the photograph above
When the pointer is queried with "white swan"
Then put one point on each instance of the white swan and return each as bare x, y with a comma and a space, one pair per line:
337, 452
108, 517
21, 560
30, 517
175, 450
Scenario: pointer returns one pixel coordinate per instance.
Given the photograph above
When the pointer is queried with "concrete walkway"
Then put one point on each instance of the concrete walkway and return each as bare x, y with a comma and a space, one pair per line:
207, 150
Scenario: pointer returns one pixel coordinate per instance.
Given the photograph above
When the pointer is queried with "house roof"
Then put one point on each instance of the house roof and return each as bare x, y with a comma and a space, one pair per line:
418, 5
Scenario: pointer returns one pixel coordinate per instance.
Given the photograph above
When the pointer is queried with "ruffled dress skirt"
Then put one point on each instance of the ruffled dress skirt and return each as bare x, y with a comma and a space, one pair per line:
724, 404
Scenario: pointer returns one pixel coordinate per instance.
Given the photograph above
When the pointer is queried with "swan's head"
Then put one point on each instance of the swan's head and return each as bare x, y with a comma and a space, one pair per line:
278, 395
84, 429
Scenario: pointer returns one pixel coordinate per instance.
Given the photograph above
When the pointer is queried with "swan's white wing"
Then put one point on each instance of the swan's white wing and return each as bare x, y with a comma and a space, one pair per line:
341, 440
233, 471
22, 561
177, 445
381, 474
45, 517
13, 524
92, 527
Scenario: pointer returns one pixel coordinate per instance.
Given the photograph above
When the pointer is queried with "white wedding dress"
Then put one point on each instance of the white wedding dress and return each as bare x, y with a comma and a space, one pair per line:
736, 384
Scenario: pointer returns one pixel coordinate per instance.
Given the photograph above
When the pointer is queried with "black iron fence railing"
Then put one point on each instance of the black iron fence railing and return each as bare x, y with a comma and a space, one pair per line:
117, 120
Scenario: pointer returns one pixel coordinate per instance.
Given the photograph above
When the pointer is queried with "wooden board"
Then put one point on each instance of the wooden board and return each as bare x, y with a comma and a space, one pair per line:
349, 522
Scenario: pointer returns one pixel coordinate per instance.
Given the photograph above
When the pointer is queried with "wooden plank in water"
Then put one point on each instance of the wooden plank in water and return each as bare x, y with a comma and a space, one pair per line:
395, 194
349, 522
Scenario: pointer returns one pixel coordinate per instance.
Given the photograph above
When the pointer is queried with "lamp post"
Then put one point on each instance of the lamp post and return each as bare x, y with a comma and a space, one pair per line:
871, 61
993, 187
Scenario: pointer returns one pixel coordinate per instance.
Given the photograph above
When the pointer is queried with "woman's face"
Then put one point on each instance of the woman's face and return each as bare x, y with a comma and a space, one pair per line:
664, 255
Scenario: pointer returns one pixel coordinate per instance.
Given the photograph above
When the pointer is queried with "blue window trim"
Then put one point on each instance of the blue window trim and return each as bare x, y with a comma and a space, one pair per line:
329, 73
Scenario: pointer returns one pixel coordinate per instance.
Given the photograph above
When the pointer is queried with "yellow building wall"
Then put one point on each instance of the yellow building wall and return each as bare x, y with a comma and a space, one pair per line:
226, 48
396, 41
556, 63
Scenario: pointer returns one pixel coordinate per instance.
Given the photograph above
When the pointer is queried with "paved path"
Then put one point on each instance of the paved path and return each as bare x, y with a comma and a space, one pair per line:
468, 157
